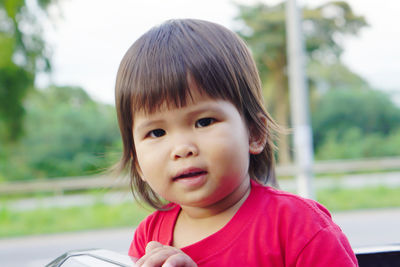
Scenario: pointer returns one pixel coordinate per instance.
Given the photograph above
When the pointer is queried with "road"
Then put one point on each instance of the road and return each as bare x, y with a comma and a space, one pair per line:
37, 251
363, 228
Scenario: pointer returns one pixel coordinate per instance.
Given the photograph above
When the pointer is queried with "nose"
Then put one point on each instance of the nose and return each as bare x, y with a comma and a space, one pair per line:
184, 150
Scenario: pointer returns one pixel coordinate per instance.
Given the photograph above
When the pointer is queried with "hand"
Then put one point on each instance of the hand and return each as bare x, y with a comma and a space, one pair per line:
159, 255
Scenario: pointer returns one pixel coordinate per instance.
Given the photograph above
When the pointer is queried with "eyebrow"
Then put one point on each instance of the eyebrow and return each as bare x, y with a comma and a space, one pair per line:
202, 109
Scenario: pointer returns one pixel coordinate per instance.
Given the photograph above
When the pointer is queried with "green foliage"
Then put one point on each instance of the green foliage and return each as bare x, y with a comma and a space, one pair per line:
23, 53
324, 26
263, 28
354, 145
368, 110
339, 199
333, 76
67, 134
21, 25
55, 220
14, 84
356, 124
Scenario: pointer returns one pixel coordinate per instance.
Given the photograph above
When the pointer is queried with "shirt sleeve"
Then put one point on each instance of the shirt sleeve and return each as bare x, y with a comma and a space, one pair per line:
329, 247
138, 245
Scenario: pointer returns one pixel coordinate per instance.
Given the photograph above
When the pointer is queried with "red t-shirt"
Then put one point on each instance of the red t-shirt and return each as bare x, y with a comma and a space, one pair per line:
271, 228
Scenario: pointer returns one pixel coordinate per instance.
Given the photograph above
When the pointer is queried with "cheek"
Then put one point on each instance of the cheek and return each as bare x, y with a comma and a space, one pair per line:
150, 160
229, 147
143, 157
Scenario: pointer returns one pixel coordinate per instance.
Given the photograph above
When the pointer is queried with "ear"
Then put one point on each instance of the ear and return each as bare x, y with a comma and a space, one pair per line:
258, 140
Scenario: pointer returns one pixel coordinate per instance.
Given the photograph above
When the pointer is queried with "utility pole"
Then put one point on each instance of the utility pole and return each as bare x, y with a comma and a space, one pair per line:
299, 102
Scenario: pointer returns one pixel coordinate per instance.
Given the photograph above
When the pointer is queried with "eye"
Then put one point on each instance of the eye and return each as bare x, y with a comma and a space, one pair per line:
204, 122
156, 133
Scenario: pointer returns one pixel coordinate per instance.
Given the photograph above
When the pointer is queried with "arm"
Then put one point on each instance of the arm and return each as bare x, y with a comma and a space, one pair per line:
329, 247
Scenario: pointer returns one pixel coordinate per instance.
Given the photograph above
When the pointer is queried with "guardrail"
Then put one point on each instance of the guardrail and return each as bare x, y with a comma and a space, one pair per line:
61, 185
346, 166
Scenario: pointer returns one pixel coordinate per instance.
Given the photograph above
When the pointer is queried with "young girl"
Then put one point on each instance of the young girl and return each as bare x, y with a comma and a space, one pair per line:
198, 145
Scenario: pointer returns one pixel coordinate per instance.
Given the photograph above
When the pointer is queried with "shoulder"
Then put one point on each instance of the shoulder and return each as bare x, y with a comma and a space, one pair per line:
302, 226
153, 222
288, 205
290, 216
155, 227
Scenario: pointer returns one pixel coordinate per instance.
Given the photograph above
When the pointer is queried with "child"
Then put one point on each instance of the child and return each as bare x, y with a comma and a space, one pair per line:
198, 144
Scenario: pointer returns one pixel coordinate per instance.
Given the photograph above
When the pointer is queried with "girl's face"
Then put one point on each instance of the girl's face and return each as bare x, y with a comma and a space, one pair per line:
195, 156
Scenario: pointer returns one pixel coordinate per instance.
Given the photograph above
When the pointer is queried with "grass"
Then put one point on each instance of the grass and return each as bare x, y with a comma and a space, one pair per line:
338, 199
129, 214
54, 220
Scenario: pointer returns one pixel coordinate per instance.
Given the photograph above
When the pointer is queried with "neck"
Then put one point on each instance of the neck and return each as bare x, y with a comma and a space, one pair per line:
194, 224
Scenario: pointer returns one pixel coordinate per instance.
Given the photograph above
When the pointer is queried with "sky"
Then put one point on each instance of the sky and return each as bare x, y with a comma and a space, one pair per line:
90, 37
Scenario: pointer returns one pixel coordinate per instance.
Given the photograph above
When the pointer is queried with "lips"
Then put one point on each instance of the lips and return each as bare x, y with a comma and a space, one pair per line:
190, 173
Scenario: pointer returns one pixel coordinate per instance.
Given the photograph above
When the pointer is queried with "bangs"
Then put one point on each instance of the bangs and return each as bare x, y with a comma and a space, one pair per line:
159, 78
162, 64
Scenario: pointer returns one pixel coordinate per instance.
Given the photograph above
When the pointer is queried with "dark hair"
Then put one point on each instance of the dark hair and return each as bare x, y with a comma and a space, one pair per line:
155, 70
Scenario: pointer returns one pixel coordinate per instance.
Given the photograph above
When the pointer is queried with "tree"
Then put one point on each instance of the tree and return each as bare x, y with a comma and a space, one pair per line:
263, 27
339, 111
23, 53
67, 134
356, 124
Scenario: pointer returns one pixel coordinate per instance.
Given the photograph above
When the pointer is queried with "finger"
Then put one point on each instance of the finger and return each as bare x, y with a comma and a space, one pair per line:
156, 258
179, 260
155, 252
151, 248
153, 245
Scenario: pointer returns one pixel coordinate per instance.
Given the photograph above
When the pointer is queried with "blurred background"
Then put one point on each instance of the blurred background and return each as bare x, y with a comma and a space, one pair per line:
58, 129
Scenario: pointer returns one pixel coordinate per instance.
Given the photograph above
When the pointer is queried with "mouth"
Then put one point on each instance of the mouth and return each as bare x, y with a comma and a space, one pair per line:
190, 173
